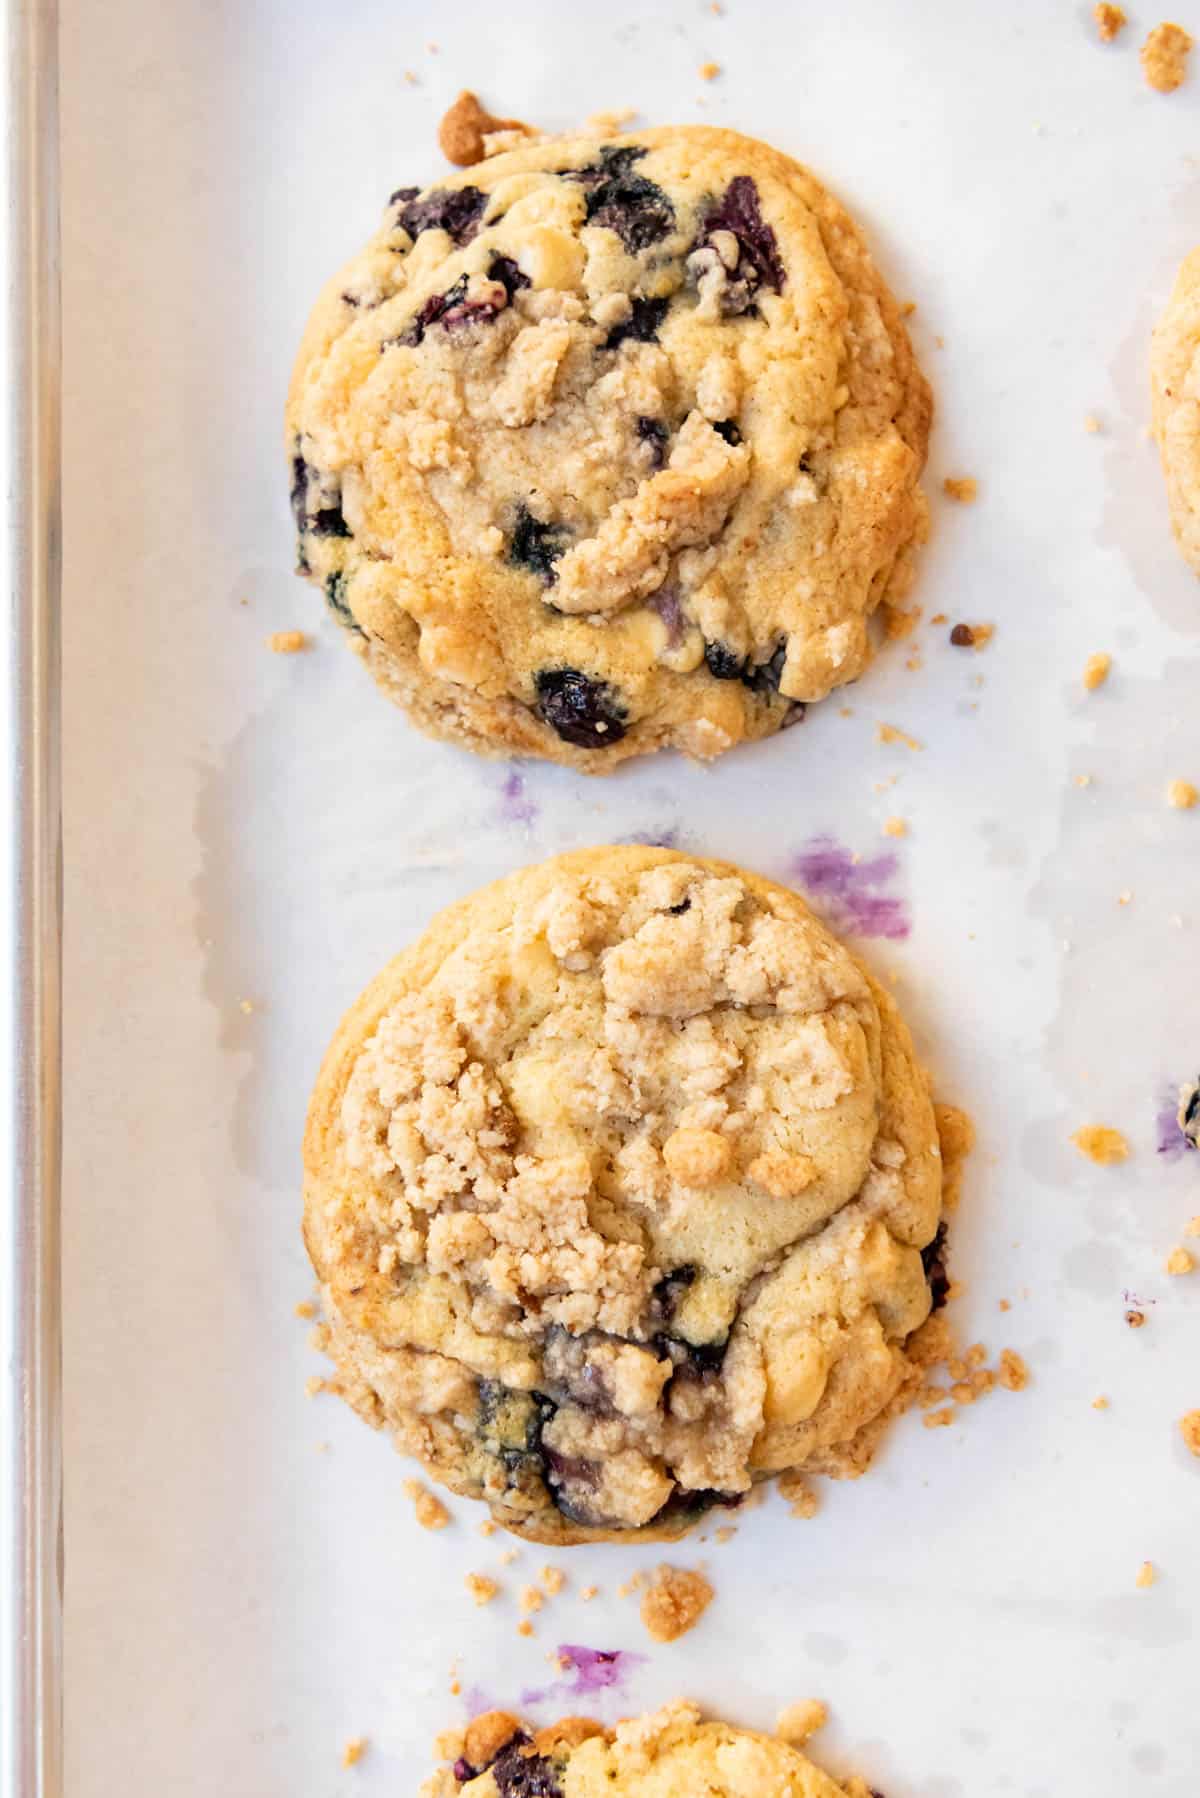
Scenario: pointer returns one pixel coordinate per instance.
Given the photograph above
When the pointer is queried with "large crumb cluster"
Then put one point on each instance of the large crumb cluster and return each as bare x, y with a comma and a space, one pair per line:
674, 1602
1165, 57
1109, 21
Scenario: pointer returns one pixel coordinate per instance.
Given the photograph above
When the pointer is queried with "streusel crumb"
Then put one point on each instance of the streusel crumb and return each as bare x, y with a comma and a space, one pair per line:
1101, 1144
464, 129
287, 643
481, 1587
354, 1750
1096, 670
553, 1579
797, 1722
1182, 795
674, 1602
1179, 1261
430, 1512
1165, 56
800, 1494
963, 488
1189, 1429
1147, 1575
1109, 20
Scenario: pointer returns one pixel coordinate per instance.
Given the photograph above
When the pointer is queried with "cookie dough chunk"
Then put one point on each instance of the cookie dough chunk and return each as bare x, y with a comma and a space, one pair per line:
670, 1754
618, 1183
1175, 377
609, 445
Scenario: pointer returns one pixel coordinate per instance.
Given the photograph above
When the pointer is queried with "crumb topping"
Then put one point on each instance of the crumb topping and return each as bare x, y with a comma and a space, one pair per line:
1109, 21
428, 1509
674, 1602
797, 1722
1101, 1144
1096, 670
962, 488
1165, 57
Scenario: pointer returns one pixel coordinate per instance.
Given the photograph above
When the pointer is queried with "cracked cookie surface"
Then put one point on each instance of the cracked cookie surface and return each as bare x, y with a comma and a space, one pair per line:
633, 421
1175, 385
672, 1753
623, 1188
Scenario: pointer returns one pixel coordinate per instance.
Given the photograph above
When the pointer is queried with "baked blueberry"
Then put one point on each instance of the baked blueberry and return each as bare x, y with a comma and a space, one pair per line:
583, 711
455, 210
636, 209
723, 662
642, 325
536, 545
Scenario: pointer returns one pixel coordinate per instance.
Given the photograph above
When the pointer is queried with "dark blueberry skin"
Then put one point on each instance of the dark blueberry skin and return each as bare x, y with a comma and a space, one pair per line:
670, 1289
729, 431
335, 599
933, 1260
457, 211
758, 262
642, 325
723, 663
584, 712
536, 546
654, 432
765, 678
638, 211
324, 518
677, 911
520, 1773
1191, 1117
505, 270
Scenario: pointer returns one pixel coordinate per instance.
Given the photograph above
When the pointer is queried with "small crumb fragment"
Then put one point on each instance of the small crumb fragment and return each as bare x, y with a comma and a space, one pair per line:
531, 1598
354, 1750
553, 1579
1146, 1575
972, 636
1164, 57
1013, 1375
897, 622
1135, 1318
1091, 424
1182, 795
429, 1511
938, 618
1179, 1261
306, 1309
797, 1722
1189, 1429
313, 1385
1125, 896
962, 488
939, 1420
725, 1534
1101, 1403
1101, 1144
464, 128
608, 122
525, 1628
708, 71
287, 643
895, 827
891, 733
481, 1587
510, 1555
488, 1527
246, 1006
587, 1593
1109, 20
674, 1602
410, 76
1003, 1305
1083, 780
1192, 1227
1096, 670
799, 1493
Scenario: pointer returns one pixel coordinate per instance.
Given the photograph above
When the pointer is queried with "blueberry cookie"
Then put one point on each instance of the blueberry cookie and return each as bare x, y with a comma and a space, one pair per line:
670, 1754
623, 1188
1175, 381
605, 446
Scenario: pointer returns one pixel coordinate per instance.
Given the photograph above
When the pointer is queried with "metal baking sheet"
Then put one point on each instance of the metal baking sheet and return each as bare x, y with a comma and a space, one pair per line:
246, 1585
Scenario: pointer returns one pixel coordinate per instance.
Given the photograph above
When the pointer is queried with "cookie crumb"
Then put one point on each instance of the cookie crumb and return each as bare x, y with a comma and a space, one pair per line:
1125, 896
1164, 57
587, 1593
306, 1309
674, 1602
962, 488
1135, 1318
532, 1598
708, 71
799, 1493
1101, 1403
1096, 670
725, 1534
481, 1587
608, 123
891, 733
939, 1420
897, 622
895, 827
525, 1628
466, 126
1182, 795
553, 1579
287, 643
797, 1722
1091, 424
1179, 1261
313, 1385
1013, 1375
1083, 780
488, 1527
1101, 1144
1192, 1227
972, 636
1189, 1429
430, 1512
354, 1750
1003, 1305
509, 1556
1146, 1575
1109, 20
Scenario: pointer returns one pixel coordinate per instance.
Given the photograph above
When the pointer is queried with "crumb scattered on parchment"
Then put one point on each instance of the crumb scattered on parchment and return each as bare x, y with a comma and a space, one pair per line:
587, 1593
410, 76
313, 1385
891, 733
287, 643
1189, 1429
725, 1534
1101, 1144
1179, 1261
1109, 20
708, 71
1003, 1305
963, 488
481, 1587
510, 1555
895, 827
1013, 1375
354, 1750
797, 1722
488, 1527
1146, 1575
1135, 1318
674, 1602
1091, 424
897, 622
465, 129
553, 1579
1125, 896
632, 1585
430, 1512
799, 1493
972, 636
306, 1309
524, 1628
1083, 780
1096, 670
1192, 1227
1182, 795
608, 123
532, 1598
956, 1139
1100, 1403
939, 1420
1164, 57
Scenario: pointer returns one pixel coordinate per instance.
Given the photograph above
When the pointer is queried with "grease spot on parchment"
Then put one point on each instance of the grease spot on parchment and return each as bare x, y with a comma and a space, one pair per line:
587, 1671
850, 892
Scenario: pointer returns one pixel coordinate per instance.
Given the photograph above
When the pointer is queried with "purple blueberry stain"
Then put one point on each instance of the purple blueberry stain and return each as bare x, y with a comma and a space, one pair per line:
516, 807
586, 1672
666, 836
1171, 1140
478, 1701
851, 891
